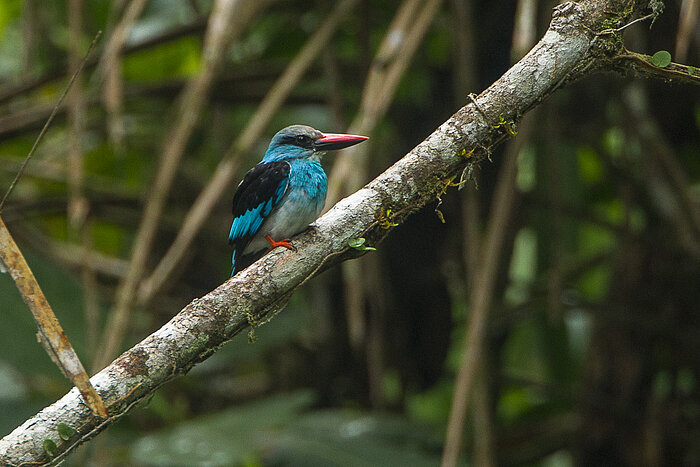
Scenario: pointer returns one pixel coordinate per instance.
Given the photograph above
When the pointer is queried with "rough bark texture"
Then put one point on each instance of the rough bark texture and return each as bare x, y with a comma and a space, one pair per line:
563, 54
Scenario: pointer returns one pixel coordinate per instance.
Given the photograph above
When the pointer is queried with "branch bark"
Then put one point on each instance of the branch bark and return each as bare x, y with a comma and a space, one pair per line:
253, 296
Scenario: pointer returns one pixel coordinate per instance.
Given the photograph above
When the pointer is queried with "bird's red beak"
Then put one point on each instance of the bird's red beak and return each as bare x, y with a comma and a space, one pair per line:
331, 141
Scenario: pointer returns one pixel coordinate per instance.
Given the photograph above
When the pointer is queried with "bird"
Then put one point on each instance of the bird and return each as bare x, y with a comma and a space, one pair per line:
283, 194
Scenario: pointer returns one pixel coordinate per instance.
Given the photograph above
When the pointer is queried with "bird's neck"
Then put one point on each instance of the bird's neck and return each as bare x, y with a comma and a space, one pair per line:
308, 173
289, 154
310, 165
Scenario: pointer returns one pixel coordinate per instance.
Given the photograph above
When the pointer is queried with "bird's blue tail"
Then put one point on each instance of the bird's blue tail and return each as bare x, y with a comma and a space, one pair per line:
243, 261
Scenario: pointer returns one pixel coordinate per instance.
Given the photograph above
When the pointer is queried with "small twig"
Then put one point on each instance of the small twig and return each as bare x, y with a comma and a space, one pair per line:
642, 65
621, 28
643, 18
50, 119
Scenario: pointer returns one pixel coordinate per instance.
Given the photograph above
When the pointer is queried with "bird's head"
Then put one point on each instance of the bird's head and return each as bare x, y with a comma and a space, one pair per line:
304, 142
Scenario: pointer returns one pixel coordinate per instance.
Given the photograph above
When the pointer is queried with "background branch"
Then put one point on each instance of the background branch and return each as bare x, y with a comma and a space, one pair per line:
110, 69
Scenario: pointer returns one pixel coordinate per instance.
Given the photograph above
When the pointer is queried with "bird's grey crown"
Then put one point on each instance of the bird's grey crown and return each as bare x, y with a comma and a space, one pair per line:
296, 135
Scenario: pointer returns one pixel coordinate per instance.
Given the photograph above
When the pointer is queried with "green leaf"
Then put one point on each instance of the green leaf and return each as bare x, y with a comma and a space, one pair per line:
356, 242
662, 59
178, 59
590, 167
64, 431
691, 70
359, 244
50, 447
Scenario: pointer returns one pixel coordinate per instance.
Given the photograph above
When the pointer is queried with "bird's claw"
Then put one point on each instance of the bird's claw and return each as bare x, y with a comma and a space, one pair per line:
283, 243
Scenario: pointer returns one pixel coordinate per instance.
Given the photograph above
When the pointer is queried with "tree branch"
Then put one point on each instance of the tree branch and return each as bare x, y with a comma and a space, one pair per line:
257, 293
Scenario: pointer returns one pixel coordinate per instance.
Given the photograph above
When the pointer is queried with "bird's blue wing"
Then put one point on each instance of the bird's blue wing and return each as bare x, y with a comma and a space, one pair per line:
260, 191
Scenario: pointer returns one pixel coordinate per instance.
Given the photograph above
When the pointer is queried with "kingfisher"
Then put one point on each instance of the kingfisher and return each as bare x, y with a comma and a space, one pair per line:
283, 194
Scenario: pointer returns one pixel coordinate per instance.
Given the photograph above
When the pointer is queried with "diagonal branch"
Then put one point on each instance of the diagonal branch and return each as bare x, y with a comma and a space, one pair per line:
250, 297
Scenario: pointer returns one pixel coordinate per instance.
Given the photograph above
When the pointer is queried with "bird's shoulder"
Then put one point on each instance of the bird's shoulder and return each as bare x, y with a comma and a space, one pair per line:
264, 182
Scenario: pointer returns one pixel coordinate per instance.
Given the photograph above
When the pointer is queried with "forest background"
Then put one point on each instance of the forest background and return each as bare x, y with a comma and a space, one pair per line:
592, 349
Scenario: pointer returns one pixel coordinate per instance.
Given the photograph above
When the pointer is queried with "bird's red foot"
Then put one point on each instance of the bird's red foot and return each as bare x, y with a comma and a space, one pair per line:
284, 243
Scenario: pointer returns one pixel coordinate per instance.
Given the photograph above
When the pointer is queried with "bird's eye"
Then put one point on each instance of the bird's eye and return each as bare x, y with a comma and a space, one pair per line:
302, 139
